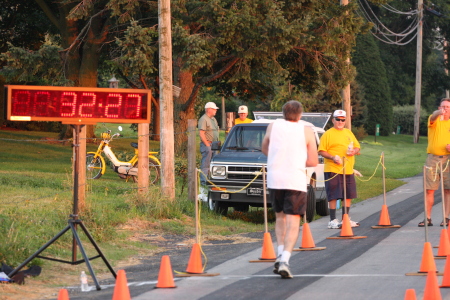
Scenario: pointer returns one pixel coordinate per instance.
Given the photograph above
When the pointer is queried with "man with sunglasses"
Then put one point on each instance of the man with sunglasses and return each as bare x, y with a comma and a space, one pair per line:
438, 151
336, 144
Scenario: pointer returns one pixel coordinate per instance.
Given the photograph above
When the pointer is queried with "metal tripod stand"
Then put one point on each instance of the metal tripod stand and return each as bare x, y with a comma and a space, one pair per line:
72, 225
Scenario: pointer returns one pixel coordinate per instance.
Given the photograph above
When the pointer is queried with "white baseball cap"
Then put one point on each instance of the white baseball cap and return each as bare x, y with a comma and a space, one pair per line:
339, 113
243, 109
211, 105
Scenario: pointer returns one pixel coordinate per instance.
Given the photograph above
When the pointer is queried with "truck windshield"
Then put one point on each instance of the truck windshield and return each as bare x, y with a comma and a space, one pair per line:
245, 138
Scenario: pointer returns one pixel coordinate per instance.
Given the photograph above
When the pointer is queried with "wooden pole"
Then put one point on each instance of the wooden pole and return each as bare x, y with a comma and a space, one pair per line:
418, 72
143, 175
81, 167
345, 93
166, 100
192, 155
223, 114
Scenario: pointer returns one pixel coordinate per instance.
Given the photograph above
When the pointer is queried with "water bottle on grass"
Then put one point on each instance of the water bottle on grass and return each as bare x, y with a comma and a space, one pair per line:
84, 282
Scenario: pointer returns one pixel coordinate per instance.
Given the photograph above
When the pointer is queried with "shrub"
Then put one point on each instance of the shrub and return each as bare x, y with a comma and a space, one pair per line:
404, 117
359, 132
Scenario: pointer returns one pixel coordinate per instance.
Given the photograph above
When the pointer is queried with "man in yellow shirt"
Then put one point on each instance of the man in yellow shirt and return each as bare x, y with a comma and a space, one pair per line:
337, 143
243, 113
438, 152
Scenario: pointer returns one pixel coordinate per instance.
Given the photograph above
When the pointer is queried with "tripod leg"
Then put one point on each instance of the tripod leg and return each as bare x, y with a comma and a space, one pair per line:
85, 257
39, 251
98, 249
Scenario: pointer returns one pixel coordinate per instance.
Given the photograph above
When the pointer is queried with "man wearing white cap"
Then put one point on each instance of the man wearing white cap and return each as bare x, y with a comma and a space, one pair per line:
209, 132
243, 113
337, 143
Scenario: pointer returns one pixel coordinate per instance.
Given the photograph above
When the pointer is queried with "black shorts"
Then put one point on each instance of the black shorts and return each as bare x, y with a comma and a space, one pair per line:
335, 186
288, 201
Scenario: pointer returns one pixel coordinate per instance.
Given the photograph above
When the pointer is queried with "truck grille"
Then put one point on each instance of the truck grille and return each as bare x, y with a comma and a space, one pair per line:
244, 172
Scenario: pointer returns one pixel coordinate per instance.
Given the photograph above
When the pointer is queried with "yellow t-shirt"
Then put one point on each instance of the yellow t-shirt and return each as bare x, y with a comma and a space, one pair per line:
438, 136
336, 142
238, 121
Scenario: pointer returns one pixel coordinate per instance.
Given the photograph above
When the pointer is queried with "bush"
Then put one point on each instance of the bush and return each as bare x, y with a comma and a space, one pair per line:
359, 132
404, 117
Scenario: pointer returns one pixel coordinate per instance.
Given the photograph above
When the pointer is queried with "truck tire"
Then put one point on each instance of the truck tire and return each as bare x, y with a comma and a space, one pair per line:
217, 206
322, 208
310, 204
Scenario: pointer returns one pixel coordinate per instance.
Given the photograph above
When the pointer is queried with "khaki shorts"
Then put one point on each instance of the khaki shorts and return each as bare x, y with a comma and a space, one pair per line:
433, 172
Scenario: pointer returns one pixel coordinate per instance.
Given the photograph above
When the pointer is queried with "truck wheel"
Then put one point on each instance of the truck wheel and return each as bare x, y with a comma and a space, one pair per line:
322, 208
217, 206
310, 204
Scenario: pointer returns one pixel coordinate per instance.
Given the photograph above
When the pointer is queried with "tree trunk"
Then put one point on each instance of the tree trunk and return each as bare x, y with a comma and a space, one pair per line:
184, 80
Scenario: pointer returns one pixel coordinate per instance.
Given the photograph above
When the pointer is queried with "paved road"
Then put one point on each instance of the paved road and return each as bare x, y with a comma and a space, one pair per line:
370, 268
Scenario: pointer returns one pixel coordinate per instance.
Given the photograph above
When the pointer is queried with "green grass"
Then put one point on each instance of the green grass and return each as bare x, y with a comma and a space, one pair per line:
36, 189
402, 158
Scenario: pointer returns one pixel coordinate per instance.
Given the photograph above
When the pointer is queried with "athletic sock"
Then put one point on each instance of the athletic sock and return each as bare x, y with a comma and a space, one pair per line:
285, 256
280, 249
332, 214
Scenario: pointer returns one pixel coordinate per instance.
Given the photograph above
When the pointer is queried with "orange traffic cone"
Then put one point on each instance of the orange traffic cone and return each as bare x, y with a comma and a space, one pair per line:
268, 251
307, 239
165, 277
444, 244
121, 291
432, 291
446, 277
427, 263
384, 216
63, 294
410, 294
195, 261
346, 229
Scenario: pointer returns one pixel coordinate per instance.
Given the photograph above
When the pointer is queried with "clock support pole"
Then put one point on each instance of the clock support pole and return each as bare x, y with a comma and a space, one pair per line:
73, 223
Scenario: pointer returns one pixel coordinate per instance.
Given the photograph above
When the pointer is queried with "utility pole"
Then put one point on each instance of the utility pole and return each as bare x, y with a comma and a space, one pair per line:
418, 73
445, 61
166, 100
345, 93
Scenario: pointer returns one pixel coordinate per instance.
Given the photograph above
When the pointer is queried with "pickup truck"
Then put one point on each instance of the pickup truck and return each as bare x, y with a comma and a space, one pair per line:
236, 171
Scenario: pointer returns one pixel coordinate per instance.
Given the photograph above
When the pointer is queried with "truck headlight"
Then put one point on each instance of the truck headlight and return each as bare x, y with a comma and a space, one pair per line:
219, 171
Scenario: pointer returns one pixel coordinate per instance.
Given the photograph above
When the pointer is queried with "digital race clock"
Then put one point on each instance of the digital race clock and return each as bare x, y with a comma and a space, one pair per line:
77, 105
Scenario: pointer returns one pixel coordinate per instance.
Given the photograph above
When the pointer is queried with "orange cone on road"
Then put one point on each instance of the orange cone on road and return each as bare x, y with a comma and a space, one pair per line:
307, 239
444, 244
432, 291
410, 294
346, 229
195, 260
121, 291
165, 276
268, 251
63, 294
446, 277
428, 263
384, 216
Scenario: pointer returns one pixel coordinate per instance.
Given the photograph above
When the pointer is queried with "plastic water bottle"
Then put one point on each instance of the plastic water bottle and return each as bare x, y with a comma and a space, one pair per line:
84, 282
350, 147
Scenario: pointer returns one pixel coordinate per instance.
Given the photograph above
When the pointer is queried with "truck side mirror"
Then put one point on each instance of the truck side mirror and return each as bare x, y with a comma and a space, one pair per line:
215, 146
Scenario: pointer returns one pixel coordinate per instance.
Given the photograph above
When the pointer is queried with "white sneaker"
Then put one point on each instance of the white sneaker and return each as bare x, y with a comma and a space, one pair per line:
334, 224
353, 223
203, 195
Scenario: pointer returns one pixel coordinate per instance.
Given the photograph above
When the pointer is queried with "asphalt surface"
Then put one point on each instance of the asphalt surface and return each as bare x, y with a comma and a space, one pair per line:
374, 267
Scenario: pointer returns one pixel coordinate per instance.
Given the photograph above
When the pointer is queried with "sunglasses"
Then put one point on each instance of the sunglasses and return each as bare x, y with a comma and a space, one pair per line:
339, 120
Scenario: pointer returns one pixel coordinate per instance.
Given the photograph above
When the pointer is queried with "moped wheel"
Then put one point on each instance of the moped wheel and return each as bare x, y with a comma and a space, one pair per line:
93, 167
153, 169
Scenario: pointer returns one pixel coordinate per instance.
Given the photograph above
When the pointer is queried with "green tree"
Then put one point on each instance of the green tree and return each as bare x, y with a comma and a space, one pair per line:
371, 75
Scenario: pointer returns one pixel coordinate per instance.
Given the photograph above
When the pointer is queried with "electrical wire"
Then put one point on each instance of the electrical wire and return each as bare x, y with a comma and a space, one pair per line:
382, 32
